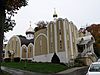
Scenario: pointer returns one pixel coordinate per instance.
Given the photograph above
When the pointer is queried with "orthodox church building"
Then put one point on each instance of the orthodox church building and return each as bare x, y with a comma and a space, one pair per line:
59, 37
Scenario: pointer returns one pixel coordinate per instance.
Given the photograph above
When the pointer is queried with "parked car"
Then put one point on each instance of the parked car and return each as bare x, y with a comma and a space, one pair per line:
98, 60
94, 69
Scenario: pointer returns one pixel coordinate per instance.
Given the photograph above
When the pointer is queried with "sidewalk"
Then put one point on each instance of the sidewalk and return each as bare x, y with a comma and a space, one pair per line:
70, 70
19, 72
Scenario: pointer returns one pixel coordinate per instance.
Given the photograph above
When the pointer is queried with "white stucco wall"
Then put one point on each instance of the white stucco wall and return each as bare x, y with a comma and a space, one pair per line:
43, 58
48, 57
62, 57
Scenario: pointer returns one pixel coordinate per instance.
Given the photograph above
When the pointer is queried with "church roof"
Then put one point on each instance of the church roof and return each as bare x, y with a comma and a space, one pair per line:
25, 41
30, 30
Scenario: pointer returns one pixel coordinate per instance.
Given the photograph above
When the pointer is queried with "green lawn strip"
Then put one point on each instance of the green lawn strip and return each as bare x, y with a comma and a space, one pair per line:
46, 68
36, 67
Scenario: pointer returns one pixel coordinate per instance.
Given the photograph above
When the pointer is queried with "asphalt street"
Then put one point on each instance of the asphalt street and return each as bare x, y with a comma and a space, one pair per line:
79, 72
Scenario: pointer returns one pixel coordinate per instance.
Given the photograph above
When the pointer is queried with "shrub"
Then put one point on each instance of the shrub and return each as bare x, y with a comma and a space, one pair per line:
55, 59
7, 59
29, 61
17, 59
24, 60
78, 62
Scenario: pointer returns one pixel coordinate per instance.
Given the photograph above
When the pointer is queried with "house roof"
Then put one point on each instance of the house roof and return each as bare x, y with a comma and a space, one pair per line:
85, 40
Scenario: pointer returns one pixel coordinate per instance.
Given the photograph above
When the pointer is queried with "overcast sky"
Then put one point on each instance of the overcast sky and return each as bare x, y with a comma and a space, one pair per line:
81, 12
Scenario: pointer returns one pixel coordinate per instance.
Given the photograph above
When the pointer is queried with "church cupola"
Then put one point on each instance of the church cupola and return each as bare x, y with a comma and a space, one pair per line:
30, 32
55, 14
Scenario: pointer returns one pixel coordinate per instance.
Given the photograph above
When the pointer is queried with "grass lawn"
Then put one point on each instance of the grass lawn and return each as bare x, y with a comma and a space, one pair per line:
36, 67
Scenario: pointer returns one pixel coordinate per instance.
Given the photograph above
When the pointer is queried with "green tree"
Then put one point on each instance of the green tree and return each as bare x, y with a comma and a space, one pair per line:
41, 25
95, 31
7, 9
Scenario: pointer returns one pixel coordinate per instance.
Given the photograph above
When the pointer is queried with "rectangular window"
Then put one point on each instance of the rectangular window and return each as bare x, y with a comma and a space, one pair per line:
60, 44
60, 31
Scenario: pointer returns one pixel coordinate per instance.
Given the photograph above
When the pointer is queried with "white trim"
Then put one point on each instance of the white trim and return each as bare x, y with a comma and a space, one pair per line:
65, 39
51, 32
33, 51
47, 38
55, 30
71, 41
39, 35
21, 53
30, 44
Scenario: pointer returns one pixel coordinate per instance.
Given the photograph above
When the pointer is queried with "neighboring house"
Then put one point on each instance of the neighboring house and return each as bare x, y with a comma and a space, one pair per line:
85, 46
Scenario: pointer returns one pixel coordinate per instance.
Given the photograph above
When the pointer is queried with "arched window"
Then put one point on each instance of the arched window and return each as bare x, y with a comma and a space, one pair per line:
24, 52
30, 51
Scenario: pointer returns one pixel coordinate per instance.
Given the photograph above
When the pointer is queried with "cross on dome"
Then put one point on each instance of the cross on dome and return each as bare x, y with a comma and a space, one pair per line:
30, 23
30, 30
55, 14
